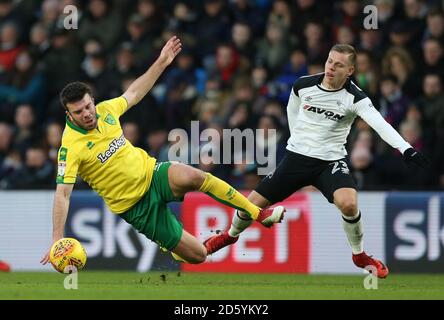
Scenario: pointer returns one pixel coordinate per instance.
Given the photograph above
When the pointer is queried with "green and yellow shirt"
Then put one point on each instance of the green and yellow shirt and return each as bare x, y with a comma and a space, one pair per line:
111, 165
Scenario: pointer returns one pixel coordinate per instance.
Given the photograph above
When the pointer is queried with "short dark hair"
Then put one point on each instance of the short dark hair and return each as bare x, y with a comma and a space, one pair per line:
73, 92
389, 77
348, 49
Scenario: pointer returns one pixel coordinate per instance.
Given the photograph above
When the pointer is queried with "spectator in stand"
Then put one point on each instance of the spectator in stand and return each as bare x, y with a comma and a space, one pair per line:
280, 14
5, 140
350, 15
297, 67
272, 142
227, 63
178, 104
206, 110
275, 108
399, 63
366, 74
411, 131
433, 57
100, 16
415, 12
394, 174
240, 117
156, 142
95, 71
37, 173
9, 159
50, 11
153, 17
40, 42
393, 103
183, 18
400, 36
244, 176
12, 163
386, 14
243, 93
10, 13
363, 169
62, 61
54, 131
10, 47
25, 131
149, 113
431, 106
123, 66
273, 50
316, 43
259, 78
304, 11
243, 43
132, 133
25, 83
213, 28
250, 14
185, 71
435, 25
315, 67
372, 41
345, 35
136, 35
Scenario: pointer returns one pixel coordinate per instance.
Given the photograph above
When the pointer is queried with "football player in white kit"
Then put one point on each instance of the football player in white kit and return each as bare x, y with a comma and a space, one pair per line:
321, 110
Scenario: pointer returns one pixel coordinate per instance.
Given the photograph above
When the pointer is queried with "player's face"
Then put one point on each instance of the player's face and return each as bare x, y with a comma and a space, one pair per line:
83, 113
337, 68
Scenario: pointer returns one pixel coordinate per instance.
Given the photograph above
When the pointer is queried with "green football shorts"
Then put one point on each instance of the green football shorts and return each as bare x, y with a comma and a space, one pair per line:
151, 215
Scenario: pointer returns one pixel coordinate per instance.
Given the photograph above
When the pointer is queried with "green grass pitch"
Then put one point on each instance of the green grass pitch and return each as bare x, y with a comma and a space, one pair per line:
212, 286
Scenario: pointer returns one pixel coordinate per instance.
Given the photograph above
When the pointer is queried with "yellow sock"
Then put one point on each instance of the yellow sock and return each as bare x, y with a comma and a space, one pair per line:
226, 194
178, 258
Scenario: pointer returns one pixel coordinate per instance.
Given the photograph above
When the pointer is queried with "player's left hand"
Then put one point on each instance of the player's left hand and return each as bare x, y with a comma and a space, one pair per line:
414, 156
170, 50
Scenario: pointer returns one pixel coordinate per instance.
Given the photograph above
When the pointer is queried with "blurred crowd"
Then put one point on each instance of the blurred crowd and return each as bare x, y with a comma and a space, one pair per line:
239, 61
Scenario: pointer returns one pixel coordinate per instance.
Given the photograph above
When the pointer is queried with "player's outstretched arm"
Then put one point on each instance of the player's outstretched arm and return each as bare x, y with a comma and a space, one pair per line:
370, 115
59, 214
140, 87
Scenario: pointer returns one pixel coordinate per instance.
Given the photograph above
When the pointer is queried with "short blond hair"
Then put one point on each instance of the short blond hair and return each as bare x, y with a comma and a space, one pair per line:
347, 49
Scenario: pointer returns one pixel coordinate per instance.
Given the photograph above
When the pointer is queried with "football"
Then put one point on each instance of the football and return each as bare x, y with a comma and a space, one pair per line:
67, 252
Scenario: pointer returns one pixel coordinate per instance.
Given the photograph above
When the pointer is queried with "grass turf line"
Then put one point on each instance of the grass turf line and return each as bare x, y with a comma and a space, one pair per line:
212, 286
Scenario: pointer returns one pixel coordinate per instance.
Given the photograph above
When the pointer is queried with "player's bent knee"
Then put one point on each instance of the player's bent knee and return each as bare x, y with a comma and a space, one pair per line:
348, 207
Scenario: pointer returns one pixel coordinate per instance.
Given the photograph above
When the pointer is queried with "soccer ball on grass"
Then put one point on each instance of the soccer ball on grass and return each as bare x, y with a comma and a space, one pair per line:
67, 252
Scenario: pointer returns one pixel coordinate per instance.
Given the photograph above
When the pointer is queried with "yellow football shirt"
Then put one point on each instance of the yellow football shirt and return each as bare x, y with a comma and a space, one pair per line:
111, 165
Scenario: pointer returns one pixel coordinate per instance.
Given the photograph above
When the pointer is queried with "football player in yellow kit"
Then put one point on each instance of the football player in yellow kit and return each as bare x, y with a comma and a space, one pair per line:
131, 182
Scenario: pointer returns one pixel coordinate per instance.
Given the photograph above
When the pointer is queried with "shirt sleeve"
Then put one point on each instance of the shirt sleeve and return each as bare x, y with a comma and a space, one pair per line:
366, 110
293, 106
116, 106
67, 166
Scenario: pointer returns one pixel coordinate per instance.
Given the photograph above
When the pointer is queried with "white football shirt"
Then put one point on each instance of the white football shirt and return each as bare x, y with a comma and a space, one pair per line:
320, 119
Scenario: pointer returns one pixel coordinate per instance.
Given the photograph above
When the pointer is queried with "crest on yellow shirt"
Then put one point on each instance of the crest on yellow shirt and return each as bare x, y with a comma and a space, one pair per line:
110, 119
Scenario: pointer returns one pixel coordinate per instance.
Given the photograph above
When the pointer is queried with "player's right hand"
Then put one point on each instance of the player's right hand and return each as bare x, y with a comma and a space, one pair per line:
414, 156
45, 258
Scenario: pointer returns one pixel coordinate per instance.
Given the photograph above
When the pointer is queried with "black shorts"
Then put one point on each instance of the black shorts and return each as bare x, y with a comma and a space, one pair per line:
296, 171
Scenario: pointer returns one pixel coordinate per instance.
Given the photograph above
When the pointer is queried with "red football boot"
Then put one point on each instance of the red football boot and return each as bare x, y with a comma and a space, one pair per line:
4, 266
268, 217
362, 260
218, 241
